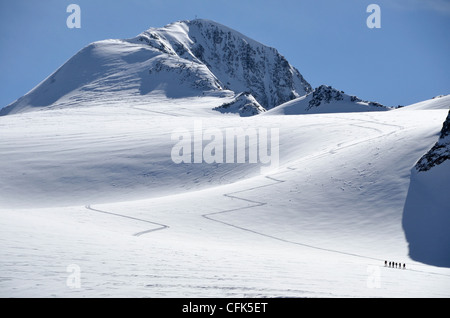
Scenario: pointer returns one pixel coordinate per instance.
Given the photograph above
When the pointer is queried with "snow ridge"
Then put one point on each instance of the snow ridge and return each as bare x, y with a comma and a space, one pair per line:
238, 62
244, 104
325, 94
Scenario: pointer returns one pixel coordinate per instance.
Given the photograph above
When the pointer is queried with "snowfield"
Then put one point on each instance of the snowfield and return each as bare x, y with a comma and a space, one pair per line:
192, 161
95, 189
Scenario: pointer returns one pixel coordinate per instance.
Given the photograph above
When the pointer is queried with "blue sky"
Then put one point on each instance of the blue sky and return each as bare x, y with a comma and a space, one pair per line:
328, 41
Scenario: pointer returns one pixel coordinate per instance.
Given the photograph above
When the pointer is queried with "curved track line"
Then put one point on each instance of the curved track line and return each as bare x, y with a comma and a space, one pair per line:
260, 203
161, 226
254, 203
231, 196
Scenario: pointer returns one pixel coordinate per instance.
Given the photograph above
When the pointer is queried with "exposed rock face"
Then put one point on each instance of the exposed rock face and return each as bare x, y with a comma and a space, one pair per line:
440, 151
326, 94
244, 104
326, 99
239, 63
242, 64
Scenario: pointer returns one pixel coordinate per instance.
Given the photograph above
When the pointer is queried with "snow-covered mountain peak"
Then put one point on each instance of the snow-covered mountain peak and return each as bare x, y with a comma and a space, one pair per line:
326, 99
239, 63
181, 59
326, 94
243, 104
188, 32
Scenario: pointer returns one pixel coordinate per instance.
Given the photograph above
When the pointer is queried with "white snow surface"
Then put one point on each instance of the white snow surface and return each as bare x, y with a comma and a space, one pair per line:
96, 187
438, 102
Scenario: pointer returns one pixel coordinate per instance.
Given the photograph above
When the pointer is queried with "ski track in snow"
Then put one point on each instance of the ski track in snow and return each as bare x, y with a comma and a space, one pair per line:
161, 226
261, 203
168, 274
233, 241
155, 111
255, 204
251, 204
232, 195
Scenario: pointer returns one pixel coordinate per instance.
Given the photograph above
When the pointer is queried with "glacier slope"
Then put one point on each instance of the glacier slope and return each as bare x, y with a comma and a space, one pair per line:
321, 225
